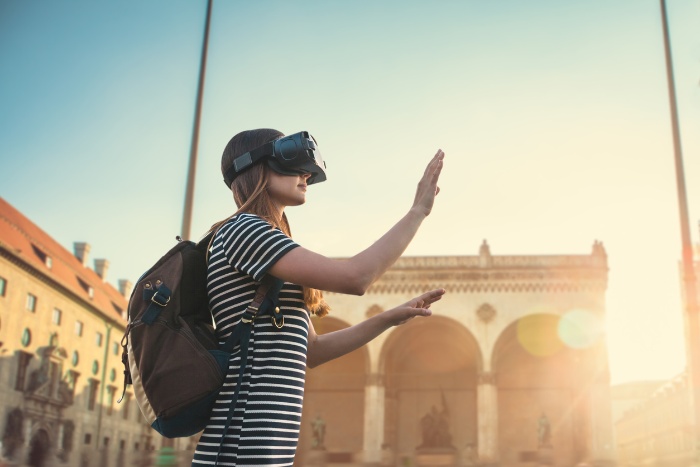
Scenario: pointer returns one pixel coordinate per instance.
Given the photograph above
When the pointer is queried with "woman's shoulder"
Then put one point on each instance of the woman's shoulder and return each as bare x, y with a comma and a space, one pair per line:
245, 223
245, 218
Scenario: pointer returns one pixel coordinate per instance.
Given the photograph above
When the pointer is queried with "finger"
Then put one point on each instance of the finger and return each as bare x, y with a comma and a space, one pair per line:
434, 162
427, 298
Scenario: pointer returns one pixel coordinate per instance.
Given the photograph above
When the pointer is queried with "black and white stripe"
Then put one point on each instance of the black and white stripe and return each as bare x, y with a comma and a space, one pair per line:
265, 426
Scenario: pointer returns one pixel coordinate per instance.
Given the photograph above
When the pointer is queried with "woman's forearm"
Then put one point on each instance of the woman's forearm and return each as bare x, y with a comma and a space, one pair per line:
335, 344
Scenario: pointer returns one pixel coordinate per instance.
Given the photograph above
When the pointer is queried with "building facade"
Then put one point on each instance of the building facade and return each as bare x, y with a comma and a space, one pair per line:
660, 431
510, 370
61, 373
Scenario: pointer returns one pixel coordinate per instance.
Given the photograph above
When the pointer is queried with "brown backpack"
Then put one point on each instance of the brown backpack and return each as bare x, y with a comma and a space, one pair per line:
170, 353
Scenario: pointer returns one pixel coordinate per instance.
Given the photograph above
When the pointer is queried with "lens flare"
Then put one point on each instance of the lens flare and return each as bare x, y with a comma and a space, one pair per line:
580, 329
538, 334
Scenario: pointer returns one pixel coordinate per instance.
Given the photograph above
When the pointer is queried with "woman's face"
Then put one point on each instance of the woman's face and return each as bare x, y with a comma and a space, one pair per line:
287, 190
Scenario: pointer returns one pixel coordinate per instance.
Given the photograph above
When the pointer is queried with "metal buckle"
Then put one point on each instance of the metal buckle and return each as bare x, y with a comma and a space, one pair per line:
255, 312
160, 302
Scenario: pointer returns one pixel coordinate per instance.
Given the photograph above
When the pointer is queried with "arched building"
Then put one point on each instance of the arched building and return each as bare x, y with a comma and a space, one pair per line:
512, 367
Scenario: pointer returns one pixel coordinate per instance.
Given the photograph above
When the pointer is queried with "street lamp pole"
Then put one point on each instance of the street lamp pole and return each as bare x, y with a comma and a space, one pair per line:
689, 280
191, 172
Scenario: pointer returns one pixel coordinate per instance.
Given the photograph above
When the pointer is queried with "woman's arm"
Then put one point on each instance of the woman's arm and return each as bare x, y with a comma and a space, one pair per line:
326, 347
354, 275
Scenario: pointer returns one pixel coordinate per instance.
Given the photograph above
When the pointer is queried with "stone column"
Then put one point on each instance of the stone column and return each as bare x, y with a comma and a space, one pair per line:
487, 417
602, 444
374, 419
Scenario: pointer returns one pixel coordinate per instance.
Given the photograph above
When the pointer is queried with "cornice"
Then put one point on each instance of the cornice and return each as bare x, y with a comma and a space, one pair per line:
4, 252
500, 274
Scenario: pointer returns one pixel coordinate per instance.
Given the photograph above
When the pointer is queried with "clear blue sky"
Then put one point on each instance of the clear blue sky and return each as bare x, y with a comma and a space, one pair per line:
554, 117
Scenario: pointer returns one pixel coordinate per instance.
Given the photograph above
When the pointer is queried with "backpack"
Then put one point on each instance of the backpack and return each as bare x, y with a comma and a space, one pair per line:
170, 352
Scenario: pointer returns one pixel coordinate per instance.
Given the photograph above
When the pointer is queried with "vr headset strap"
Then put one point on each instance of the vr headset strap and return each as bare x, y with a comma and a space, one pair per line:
244, 161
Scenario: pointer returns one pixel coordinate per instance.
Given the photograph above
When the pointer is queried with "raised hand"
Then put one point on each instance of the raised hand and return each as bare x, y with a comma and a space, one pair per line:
419, 306
427, 186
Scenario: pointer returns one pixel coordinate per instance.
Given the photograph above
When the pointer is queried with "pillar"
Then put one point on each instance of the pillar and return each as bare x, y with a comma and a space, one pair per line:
487, 417
374, 419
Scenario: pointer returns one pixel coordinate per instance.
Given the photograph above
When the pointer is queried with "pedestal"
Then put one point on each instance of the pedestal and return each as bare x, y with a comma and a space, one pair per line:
442, 457
545, 455
316, 457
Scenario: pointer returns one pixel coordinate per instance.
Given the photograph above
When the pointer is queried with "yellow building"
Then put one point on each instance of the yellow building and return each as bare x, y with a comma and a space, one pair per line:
659, 430
60, 355
511, 369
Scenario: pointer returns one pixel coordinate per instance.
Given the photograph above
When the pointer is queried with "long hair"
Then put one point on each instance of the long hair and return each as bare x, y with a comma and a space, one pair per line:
250, 193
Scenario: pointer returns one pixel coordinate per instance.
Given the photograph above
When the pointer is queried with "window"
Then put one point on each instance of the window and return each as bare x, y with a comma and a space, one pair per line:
88, 438
23, 363
56, 318
78, 328
31, 302
93, 386
26, 337
98, 339
115, 348
3, 286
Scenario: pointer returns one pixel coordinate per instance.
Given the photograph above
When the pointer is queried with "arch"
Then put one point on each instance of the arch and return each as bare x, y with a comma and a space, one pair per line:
540, 381
335, 391
438, 328
430, 366
39, 448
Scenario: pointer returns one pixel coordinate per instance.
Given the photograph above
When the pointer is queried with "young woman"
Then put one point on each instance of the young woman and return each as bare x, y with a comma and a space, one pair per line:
256, 241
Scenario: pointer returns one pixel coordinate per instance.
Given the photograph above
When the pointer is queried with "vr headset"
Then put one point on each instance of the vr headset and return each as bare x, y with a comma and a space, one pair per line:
291, 155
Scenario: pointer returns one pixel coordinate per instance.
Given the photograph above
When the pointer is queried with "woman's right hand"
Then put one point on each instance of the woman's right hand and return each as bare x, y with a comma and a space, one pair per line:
427, 186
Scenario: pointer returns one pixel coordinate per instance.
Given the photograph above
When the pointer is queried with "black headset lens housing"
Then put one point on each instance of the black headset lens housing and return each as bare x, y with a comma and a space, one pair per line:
290, 155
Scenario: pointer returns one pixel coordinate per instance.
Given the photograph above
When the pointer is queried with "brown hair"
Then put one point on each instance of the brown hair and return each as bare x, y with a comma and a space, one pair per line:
250, 194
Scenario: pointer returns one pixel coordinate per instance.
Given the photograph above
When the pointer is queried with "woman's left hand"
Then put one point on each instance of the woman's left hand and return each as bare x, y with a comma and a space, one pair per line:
419, 306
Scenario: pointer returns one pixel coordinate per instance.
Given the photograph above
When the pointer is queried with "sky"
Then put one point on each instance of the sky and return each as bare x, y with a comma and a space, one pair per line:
554, 117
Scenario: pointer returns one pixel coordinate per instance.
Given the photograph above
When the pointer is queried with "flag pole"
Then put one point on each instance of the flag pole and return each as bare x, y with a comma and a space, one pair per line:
690, 298
191, 171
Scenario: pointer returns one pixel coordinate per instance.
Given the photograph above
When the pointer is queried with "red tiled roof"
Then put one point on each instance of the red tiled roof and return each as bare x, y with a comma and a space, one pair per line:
24, 240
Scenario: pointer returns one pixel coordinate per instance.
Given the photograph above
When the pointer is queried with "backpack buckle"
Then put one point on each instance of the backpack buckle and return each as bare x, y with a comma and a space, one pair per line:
252, 315
160, 299
280, 324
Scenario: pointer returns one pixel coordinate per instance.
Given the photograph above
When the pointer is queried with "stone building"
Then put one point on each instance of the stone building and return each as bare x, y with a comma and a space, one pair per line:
510, 370
659, 430
60, 356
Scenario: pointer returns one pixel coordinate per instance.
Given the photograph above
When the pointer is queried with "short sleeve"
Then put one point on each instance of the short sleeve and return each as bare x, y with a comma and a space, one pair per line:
252, 246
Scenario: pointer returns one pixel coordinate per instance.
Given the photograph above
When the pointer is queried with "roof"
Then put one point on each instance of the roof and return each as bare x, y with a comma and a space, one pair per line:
26, 242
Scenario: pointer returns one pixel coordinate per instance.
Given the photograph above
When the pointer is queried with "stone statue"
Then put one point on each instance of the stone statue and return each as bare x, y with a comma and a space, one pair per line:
435, 428
543, 431
318, 429
484, 249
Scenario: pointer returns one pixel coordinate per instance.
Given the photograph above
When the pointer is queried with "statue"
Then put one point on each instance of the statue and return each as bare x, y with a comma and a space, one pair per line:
543, 432
318, 428
435, 428
484, 249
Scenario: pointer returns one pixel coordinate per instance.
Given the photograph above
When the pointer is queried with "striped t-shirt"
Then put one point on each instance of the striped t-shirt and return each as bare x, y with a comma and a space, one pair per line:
265, 427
